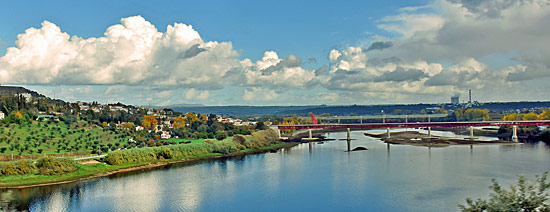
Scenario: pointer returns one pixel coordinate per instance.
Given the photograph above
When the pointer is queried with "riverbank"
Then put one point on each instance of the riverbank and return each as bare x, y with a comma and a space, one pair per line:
95, 170
420, 139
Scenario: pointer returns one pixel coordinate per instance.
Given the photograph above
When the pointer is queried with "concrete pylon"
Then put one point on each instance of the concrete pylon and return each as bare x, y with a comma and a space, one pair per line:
471, 132
349, 139
429, 132
515, 134
388, 133
310, 134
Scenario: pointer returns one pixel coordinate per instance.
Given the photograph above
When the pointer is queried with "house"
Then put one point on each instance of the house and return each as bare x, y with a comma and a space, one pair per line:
138, 128
1, 115
165, 135
47, 117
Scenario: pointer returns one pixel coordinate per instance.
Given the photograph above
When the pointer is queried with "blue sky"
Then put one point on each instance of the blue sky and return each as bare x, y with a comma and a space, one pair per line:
309, 29
277, 53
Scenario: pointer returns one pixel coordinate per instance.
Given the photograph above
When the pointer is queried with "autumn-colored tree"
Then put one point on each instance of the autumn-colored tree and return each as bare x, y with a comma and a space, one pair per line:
128, 125
157, 137
512, 117
149, 121
104, 124
191, 117
179, 122
19, 114
530, 116
544, 115
204, 117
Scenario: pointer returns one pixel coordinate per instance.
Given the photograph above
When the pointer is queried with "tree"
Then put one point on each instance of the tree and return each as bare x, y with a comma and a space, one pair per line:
18, 114
204, 117
104, 124
179, 122
260, 126
544, 115
149, 121
530, 116
128, 125
526, 196
191, 117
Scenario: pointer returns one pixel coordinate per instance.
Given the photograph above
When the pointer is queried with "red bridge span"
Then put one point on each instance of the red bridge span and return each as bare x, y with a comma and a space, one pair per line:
416, 124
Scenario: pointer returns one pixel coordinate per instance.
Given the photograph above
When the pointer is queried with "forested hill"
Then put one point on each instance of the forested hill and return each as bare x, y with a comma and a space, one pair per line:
245, 111
11, 90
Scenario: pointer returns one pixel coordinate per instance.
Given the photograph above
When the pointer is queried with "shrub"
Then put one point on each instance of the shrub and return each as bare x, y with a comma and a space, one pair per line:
165, 153
55, 166
527, 196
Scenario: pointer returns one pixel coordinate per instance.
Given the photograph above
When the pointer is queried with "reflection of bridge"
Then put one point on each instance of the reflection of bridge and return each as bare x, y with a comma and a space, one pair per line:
429, 125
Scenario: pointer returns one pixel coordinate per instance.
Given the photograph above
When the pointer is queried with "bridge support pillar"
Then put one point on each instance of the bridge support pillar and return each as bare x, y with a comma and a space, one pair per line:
471, 132
279, 133
310, 134
348, 140
429, 132
388, 136
515, 134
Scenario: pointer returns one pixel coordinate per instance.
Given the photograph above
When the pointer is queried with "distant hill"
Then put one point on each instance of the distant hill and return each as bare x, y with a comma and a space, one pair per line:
10, 90
245, 111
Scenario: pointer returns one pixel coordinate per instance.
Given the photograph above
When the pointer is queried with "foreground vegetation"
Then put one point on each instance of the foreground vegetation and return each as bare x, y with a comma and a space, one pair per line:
67, 170
526, 196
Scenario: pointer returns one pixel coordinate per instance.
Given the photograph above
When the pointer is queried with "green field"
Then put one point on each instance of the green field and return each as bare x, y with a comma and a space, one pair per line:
51, 137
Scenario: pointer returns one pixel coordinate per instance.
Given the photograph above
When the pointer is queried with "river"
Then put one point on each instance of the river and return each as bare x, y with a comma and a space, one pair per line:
316, 177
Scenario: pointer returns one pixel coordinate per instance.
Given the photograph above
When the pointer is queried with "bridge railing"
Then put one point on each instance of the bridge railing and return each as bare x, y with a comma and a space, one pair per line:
416, 124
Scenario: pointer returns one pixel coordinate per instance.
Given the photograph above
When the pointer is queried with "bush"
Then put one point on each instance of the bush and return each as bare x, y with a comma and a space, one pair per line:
165, 153
19, 167
527, 196
55, 166
209, 141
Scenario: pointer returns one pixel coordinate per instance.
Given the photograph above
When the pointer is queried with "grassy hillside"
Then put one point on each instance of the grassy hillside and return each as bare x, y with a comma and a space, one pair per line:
51, 137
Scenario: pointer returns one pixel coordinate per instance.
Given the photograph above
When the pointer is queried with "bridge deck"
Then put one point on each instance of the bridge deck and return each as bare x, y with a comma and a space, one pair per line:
417, 124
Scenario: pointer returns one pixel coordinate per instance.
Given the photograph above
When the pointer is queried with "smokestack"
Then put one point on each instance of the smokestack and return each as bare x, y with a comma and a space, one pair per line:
470, 95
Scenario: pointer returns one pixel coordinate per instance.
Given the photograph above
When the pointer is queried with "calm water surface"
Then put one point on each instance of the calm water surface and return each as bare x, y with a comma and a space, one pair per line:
317, 177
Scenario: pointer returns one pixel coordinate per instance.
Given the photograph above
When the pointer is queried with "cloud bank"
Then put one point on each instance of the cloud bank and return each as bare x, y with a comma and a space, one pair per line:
437, 50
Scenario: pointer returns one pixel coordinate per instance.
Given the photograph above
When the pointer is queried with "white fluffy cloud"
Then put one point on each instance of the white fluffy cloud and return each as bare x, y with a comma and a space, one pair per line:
131, 53
438, 52
193, 94
259, 94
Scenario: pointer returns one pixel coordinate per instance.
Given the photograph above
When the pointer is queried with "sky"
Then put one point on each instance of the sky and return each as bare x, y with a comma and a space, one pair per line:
277, 53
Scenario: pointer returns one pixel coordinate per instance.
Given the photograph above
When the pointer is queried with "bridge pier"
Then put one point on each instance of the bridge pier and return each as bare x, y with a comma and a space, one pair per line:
471, 132
348, 140
310, 134
429, 132
515, 134
388, 133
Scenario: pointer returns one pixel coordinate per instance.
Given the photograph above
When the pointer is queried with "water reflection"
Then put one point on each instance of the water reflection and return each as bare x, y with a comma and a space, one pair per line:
308, 177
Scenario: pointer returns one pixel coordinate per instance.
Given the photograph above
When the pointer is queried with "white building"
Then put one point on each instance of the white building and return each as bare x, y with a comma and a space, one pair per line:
1, 115
165, 135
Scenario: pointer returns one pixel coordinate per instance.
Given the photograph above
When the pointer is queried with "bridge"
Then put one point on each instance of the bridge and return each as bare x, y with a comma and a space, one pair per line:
429, 125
